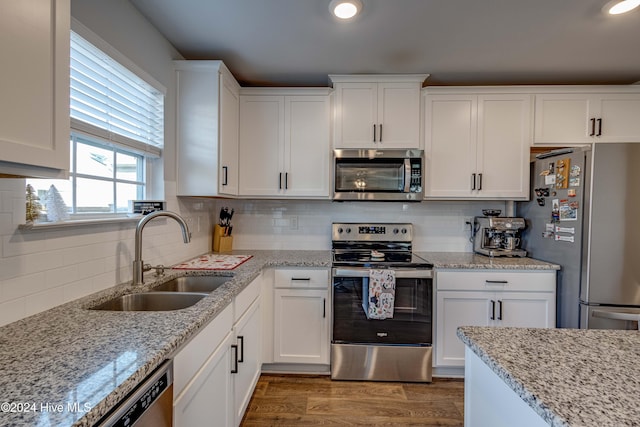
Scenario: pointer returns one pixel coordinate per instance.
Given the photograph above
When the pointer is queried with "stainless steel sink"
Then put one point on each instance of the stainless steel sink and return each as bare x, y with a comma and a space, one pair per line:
193, 284
151, 301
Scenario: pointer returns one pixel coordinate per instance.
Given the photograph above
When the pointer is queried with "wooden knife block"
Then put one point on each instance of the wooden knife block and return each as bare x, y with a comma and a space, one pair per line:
221, 243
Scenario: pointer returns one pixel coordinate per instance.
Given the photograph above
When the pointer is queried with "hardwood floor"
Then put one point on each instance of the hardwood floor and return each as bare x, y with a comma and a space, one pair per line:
295, 400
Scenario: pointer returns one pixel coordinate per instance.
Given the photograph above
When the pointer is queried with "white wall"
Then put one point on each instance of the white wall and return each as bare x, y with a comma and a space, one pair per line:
42, 269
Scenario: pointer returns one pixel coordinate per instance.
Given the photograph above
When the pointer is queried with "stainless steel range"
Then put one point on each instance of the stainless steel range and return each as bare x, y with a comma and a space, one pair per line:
382, 304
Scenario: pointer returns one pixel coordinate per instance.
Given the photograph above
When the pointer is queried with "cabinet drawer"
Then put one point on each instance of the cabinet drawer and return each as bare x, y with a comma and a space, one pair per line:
192, 356
302, 278
244, 299
495, 280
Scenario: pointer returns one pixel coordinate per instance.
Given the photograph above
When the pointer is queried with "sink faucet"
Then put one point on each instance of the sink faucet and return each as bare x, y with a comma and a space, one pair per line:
138, 264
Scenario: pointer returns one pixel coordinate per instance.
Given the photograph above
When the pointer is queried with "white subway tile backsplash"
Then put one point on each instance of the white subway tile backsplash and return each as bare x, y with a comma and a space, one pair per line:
44, 300
59, 276
22, 286
13, 310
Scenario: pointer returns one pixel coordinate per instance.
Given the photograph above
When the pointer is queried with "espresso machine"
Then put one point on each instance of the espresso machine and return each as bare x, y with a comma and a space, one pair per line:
498, 236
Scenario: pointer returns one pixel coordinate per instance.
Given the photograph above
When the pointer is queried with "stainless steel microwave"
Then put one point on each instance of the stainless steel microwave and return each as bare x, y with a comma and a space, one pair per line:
370, 175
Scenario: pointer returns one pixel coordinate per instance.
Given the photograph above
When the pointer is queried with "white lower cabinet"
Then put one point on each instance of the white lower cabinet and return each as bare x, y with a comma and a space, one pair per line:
490, 298
302, 313
207, 401
246, 361
202, 387
216, 372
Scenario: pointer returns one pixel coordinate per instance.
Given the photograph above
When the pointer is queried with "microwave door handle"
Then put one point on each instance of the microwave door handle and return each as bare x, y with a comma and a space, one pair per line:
407, 175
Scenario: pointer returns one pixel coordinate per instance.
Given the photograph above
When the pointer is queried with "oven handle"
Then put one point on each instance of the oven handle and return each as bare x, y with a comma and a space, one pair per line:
414, 273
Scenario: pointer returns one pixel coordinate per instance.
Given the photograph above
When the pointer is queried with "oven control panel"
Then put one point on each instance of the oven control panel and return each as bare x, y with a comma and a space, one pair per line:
382, 232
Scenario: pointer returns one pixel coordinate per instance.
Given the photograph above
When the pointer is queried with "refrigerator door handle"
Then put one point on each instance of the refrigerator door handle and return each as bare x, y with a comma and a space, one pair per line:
617, 315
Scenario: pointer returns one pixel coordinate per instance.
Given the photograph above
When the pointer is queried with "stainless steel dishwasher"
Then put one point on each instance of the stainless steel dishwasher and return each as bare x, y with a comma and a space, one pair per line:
149, 405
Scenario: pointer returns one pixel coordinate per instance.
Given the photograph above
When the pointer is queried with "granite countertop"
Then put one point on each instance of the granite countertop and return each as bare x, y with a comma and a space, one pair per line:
70, 355
462, 260
570, 377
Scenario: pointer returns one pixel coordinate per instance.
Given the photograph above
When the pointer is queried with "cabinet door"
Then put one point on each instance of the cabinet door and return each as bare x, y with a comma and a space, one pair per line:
456, 309
261, 145
34, 106
563, 118
208, 399
356, 114
504, 135
526, 309
248, 337
307, 146
301, 327
450, 145
229, 130
398, 115
620, 115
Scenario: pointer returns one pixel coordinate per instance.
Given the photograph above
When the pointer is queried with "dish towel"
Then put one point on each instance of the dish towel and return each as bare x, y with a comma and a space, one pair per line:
381, 294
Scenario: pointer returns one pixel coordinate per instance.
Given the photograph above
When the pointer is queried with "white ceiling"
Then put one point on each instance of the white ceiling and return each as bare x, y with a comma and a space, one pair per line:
297, 43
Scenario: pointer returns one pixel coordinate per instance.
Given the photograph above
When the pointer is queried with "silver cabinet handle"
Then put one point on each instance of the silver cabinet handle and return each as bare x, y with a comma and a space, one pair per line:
599, 127
225, 171
241, 358
593, 127
479, 181
380, 136
473, 181
374, 133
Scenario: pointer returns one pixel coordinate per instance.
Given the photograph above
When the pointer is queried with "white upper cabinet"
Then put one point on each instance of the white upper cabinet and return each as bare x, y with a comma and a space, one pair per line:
377, 111
207, 129
580, 117
285, 143
477, 145
34, 105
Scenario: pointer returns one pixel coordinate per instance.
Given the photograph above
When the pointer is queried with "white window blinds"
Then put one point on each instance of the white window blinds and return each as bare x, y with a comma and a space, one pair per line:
111, 102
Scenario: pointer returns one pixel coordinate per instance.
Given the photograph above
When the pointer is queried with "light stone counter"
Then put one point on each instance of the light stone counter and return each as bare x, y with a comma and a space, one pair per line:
569, 377
462, 260
70, 356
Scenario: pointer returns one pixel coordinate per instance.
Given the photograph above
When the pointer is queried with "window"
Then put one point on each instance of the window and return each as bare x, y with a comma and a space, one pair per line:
117, 128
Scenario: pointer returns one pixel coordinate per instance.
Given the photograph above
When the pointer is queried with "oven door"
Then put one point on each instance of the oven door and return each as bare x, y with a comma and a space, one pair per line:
412, 319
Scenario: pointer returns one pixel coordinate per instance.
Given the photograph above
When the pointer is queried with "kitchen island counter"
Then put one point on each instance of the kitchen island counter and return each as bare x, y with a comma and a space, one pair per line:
69, 366
569, 377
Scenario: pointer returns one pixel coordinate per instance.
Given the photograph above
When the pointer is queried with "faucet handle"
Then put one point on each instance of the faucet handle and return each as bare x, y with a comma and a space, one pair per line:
160, 270
146, 267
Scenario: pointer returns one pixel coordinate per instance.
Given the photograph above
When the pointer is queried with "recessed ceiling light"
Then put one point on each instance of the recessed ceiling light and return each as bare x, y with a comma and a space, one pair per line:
345, 9
620, 7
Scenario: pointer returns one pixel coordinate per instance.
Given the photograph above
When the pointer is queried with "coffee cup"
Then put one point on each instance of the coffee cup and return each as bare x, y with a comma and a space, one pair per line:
511, 242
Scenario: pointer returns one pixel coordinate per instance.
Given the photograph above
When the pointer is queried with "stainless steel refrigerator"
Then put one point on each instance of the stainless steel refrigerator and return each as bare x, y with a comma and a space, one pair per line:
584, 214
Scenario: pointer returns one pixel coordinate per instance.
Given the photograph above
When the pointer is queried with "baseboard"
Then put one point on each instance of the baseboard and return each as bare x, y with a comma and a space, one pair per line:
295, 368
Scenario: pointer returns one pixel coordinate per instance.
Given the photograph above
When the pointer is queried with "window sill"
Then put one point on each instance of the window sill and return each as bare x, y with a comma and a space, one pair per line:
78, 223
